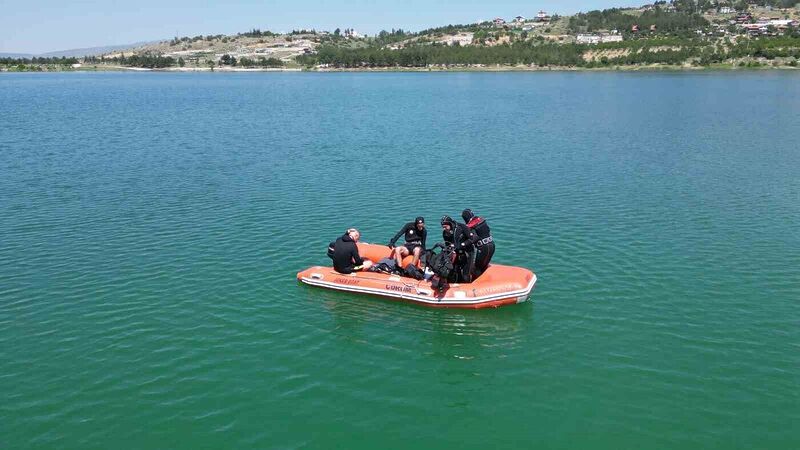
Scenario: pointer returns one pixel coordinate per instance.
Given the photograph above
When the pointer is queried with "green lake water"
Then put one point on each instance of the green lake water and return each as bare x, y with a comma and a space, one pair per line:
151, 227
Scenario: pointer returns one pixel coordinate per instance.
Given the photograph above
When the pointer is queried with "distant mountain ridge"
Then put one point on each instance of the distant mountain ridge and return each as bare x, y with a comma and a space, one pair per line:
78, 52
16, 55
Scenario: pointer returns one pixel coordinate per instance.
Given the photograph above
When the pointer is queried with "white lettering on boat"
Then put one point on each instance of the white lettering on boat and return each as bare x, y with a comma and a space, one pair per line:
393, 287
496, 289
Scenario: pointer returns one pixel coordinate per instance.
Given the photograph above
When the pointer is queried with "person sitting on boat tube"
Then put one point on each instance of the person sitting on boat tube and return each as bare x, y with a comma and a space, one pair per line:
415, 235
345, 253
463, 239
484, 246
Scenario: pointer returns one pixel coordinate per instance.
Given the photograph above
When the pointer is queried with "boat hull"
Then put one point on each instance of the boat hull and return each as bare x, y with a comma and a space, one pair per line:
499, 285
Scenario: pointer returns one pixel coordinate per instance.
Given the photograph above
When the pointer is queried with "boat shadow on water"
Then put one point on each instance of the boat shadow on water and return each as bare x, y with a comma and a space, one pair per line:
450, 333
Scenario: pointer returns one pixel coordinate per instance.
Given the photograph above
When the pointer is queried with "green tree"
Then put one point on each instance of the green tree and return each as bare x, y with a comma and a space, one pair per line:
270, 62
741, 5
181, 62
227, 60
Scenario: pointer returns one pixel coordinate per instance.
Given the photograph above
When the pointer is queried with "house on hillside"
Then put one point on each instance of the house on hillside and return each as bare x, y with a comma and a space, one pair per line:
542, 17
726, 10
755, 29
783, 23
519, 20
499, 21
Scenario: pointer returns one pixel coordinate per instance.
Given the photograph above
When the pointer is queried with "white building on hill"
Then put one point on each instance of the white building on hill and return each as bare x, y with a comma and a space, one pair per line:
542, 16
597, 38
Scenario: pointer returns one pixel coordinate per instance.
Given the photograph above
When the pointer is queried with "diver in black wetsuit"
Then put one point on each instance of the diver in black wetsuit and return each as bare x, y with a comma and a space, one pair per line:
463, 239
345, 253
415, 235
484, 246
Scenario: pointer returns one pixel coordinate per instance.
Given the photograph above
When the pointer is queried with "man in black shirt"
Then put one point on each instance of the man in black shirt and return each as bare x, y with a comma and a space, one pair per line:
415, 235
345, 253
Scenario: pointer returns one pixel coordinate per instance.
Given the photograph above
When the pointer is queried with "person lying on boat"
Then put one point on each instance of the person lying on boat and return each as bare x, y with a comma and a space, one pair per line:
462, 239
415, 235
345, 253
484, 246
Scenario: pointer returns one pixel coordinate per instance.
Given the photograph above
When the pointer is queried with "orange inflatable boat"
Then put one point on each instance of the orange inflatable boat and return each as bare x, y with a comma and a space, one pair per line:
499, 285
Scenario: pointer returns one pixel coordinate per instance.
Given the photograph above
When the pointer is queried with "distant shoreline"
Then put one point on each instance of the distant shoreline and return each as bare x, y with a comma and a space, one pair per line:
674, 36
649, 68
628, 68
